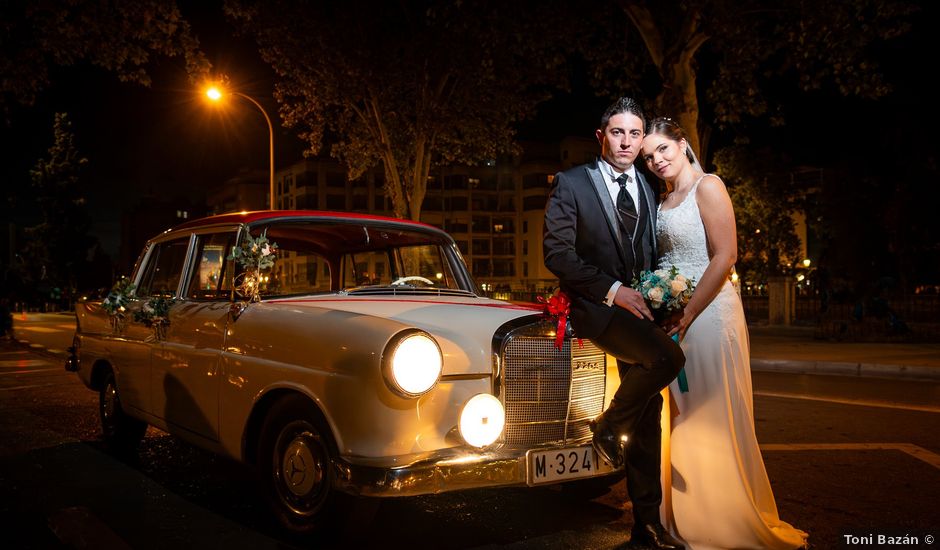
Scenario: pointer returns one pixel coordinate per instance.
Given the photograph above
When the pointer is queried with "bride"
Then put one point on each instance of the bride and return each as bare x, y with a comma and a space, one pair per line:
716, 493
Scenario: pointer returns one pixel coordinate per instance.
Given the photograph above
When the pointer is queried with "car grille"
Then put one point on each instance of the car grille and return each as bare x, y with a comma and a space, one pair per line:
551, 395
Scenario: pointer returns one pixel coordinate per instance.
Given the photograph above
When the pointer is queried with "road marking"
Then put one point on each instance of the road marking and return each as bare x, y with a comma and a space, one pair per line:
24, 363
28, 371
862, 402
915, 451
27, 387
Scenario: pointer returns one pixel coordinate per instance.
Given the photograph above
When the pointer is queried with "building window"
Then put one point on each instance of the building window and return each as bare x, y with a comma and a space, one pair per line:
525, 226
481, 246
335, 179
336, 202
536, 202
525, 269
504, 246
360, 202
503, 268
525, 248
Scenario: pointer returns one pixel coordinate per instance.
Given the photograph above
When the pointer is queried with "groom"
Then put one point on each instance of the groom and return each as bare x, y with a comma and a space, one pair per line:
599, 235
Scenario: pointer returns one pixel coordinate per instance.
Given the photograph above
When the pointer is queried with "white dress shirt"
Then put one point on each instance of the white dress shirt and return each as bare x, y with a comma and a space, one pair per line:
610, 178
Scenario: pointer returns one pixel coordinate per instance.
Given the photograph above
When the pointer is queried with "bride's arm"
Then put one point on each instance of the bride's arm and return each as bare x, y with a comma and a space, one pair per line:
714, 204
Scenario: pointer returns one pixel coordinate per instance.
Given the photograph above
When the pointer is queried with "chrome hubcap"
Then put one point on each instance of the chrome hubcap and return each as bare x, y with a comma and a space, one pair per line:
300, 469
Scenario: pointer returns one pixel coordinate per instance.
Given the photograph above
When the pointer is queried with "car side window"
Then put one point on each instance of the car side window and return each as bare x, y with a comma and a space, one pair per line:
164, 268
212, 273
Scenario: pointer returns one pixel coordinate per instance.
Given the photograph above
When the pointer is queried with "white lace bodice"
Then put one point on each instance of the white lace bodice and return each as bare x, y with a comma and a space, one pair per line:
680, 236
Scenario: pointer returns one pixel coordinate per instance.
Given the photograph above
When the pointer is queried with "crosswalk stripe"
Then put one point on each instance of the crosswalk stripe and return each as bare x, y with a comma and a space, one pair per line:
28, 371
861, 402
22, 363
915, 451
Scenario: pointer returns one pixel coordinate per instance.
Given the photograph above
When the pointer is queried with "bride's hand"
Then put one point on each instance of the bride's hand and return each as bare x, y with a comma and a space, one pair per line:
683, 325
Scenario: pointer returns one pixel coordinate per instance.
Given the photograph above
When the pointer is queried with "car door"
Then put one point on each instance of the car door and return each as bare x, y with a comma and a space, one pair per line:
186, 368
159, 275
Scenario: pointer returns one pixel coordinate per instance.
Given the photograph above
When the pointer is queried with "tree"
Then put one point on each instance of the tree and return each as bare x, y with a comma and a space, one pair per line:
405, 83
726, 52
764, 213
57, 248
117, 36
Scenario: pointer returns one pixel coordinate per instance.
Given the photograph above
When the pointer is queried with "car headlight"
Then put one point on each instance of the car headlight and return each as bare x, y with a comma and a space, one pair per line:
482, 420
412, 363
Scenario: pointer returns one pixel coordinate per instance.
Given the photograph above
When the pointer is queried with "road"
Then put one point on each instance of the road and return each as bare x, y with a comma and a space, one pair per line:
845, 456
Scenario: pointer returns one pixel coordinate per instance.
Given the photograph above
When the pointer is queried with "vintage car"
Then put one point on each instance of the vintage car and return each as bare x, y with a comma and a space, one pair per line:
365, 363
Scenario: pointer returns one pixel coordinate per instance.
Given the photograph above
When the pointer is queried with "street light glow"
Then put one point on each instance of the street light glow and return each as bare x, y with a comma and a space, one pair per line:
214, 93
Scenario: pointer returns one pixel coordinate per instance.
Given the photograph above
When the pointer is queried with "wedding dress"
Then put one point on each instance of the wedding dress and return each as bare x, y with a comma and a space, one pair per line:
716, 493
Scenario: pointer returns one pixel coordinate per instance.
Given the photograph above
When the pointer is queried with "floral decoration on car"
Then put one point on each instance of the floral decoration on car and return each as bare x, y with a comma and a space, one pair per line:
155, 313
667, 292
557, 308
255, 255
115, 303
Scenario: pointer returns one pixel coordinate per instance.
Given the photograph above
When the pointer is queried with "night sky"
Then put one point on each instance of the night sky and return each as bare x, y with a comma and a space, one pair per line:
166, 139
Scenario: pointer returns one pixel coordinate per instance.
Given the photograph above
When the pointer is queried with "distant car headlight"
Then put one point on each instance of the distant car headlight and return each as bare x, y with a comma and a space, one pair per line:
412, 363
482, 420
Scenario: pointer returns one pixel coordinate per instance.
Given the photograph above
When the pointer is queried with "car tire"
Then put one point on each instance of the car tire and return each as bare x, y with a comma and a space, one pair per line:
295, 466
122, 433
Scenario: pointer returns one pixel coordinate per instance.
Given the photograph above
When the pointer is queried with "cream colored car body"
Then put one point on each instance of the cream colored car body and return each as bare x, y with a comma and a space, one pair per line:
212, 375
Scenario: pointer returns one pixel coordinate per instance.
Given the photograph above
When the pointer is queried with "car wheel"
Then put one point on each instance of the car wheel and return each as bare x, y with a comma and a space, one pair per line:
295, 466
121, 432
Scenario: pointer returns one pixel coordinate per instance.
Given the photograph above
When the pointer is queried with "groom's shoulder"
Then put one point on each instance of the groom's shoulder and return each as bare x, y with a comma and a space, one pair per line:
579, 171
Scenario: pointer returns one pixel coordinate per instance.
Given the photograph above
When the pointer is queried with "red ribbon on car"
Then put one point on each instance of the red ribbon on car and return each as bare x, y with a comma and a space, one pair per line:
557, 308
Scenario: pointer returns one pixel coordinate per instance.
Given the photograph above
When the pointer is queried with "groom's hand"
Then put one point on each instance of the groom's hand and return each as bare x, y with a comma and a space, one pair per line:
632, 301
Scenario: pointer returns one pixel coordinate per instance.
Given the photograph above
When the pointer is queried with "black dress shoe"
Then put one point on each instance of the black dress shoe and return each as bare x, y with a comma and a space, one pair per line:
606, 442
654, 535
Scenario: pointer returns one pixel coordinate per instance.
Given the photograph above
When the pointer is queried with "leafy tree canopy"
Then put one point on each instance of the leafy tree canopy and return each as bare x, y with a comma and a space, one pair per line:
404, 83
720, 57
57, 248
118, 36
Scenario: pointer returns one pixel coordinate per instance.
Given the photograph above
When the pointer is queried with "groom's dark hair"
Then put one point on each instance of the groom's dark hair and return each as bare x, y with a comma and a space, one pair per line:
623, 105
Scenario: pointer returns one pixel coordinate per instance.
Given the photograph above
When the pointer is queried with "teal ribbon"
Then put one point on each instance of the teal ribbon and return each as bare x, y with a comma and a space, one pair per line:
681, 379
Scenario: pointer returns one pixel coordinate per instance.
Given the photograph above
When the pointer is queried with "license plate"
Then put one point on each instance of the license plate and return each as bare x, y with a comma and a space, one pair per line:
553, 465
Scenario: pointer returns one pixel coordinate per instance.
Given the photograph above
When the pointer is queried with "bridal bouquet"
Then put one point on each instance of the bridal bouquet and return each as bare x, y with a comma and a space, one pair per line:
667, 292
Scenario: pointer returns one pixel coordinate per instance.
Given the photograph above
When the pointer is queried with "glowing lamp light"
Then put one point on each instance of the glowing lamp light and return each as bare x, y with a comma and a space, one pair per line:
482, 420
806, 262
214, 94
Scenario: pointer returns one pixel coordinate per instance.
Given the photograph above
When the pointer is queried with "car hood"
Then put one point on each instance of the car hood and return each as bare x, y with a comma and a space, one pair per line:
463, 326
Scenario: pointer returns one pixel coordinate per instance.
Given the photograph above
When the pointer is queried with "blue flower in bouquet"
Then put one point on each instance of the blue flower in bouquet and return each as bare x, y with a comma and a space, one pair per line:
666, 290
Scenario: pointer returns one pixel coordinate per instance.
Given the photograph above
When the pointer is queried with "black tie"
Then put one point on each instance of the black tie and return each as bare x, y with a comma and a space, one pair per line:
625, 207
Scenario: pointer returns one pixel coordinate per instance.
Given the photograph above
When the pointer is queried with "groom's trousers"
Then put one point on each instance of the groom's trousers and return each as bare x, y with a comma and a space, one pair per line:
648, 360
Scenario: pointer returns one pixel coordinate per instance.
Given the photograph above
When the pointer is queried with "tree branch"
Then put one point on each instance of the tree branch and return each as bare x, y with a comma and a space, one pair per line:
642, 19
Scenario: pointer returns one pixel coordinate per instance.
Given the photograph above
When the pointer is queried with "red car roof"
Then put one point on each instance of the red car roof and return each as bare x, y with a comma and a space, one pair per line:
264, 215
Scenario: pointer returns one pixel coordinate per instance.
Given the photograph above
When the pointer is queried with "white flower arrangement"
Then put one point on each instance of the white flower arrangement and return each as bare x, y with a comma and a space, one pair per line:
255, 255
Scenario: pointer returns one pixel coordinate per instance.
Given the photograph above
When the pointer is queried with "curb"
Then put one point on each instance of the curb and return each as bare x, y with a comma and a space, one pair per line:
872, 370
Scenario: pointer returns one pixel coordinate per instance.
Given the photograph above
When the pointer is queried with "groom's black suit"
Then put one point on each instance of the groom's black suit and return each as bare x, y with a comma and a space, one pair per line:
586, 246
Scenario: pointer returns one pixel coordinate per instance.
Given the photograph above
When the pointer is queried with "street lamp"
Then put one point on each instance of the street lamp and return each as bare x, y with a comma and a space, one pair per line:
214, 93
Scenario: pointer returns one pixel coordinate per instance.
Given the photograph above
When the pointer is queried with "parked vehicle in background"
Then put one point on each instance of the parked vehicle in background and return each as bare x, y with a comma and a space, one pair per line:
362, 362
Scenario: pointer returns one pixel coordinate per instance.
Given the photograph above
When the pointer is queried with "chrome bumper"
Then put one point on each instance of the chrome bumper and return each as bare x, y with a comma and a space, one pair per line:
436, 472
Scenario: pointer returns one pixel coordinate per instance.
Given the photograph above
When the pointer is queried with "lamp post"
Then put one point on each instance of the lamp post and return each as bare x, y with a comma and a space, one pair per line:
215, 94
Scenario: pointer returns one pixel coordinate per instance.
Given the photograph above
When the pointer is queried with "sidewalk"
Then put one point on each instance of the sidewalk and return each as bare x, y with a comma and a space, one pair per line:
794, 350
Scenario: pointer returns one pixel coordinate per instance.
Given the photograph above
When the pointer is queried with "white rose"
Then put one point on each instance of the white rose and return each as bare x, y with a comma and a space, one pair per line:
678, 287
265, 250
661, 273
656, 296
681, 278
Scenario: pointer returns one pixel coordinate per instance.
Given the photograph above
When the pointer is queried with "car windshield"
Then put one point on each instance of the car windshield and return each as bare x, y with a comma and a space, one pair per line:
330, 256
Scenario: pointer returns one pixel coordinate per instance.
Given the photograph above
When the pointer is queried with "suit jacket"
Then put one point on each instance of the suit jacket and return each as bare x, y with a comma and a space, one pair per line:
582, 243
